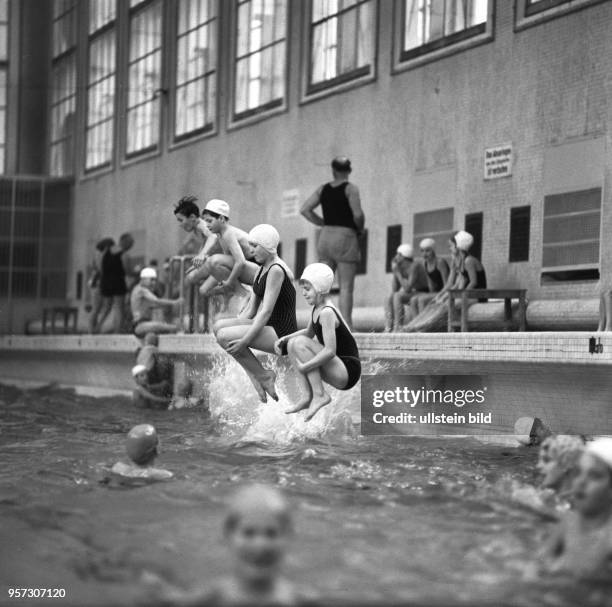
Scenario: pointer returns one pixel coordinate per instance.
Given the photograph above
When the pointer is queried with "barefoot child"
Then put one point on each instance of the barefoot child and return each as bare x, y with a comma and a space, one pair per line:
141, 446
334, 357
582, 545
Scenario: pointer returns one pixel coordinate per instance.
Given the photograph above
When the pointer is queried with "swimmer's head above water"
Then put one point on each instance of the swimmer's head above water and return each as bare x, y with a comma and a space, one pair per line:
141, 444
258, 526
530, 431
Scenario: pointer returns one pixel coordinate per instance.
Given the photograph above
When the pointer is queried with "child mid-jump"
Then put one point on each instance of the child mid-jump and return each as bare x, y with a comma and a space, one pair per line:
333, 357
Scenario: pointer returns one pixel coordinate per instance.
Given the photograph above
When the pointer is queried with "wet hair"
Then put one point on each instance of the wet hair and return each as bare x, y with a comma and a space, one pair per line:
187, 206
104, 244
254, 496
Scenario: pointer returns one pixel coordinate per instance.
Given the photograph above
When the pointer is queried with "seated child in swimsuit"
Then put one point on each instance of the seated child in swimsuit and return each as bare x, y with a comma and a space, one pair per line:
582, 544
141, 446
333, 358
257, 530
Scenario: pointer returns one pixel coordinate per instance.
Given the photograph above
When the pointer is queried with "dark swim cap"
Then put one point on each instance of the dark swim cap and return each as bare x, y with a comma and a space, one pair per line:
141, 443
342, 164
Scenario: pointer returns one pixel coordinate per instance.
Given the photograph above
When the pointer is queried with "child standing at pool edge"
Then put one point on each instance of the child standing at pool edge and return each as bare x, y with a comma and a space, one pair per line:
333, 358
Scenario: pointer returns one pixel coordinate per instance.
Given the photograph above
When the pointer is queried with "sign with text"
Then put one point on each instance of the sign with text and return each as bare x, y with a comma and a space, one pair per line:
426, 405
498, 161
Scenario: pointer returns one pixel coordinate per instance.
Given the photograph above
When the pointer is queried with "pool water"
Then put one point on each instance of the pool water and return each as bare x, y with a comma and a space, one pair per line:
425, 521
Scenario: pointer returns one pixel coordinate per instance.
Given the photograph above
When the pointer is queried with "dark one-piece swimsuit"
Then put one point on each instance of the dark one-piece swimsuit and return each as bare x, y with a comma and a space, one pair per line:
346, 348
282, 319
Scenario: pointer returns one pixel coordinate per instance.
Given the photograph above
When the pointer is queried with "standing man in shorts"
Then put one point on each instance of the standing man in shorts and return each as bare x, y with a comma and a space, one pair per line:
342, 222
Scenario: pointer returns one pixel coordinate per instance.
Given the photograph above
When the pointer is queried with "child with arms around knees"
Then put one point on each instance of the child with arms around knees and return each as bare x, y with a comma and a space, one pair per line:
582, 544
333, 357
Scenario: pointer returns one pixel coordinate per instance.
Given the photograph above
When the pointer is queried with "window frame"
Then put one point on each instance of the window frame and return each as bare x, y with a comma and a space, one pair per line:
155, 149
526, 16
271, 108
90, 39
452, 44
174, 140
590, 267
359, 76
63, 57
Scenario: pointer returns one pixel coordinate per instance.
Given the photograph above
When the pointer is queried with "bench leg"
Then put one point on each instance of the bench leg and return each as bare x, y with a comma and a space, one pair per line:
508, 313
522, 312
464, 312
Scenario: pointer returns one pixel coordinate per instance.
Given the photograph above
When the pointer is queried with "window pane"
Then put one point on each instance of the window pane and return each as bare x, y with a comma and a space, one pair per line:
342, 35
260, 54
429, 20
101, 12
144, 78
101, 100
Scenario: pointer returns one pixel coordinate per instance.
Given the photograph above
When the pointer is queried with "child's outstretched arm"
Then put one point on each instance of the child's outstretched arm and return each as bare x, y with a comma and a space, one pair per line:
150, 396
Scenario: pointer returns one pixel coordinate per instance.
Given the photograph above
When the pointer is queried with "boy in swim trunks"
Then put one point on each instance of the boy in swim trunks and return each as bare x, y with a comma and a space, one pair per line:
230, 268
582, 544
333, 358
141, 446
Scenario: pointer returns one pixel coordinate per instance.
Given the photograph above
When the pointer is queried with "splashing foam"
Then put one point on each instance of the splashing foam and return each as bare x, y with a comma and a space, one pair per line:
237, 409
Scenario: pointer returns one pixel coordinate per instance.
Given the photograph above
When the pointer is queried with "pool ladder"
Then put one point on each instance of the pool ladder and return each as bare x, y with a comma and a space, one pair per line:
194, 313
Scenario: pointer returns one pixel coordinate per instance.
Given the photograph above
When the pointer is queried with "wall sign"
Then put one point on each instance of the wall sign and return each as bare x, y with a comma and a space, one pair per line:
498, 161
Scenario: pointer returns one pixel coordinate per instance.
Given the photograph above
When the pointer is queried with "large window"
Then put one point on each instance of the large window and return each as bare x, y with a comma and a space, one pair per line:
570, 243
144, 77
342, 41
531, 12
435, 27
63, 88
3, 80
195, 100
101, 83
261, 57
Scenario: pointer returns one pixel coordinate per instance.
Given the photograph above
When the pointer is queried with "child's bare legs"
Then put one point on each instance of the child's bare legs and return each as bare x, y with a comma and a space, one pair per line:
399, 299
303, 380
229, 330
332, 372
389, 313
605, 311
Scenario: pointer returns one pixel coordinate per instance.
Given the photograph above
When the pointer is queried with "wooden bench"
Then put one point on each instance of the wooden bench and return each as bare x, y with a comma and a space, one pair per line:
465, 295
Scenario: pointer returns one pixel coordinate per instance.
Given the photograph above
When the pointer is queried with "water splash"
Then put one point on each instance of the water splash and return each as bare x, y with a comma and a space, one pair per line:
238, 411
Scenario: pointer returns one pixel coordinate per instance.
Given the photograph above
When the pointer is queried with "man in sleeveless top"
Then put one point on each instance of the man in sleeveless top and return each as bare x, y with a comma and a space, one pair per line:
342, 222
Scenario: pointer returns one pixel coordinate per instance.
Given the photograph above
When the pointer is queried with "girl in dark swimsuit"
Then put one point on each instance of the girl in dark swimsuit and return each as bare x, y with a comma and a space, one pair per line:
334, 357
270, 313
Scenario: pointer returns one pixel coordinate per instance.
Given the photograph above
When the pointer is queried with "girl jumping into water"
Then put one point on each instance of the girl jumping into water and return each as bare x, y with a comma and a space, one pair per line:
333, 357
270, 313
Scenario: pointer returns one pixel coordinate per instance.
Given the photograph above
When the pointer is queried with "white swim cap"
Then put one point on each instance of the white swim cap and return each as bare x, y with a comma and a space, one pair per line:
427, 243
601, 448
265, 235
320, 276
463, 240
220, 207
148, 273
138, 369
141, 443
405, 250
